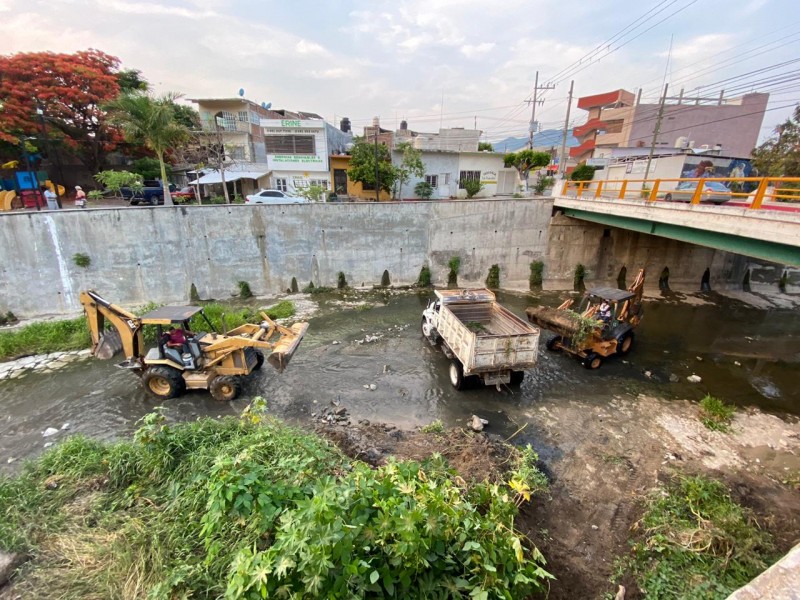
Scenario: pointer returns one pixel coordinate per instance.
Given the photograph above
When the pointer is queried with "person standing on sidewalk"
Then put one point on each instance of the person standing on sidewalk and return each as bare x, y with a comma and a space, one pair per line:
50, 197
80, 197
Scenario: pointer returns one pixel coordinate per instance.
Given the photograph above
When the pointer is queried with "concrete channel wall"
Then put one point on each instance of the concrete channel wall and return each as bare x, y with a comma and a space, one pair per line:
156, 254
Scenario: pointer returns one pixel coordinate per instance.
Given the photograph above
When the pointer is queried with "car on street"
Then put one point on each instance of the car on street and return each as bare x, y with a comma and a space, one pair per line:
185, 194
152, 193
713, 192
273, 197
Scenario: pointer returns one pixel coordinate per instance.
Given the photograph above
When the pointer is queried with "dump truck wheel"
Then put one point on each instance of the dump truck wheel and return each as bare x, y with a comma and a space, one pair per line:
592, 361
457, 375
551, 343
226, 388
259, 360
517, 377
624, 344
163, 382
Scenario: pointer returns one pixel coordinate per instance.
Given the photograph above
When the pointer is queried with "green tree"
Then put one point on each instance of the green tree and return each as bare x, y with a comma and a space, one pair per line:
151, 122
362, 165
582, 172
471, 186
312, 193
187, 116
410, 164
779, 156
116, 180
526, 160
149, 168
485, 146
423, 190
131, 81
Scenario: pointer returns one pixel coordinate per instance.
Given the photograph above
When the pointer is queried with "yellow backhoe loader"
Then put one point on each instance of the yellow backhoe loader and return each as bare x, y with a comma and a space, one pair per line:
185, 360
601, 327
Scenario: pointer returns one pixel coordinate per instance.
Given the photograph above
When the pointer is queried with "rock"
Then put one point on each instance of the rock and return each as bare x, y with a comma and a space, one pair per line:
373, 455
373, 387
700, 358
674, 378
340, 411
84, 353
694, 379
385, 368
9, 561
648, 374
620, 593
49, 431
335, 343
477, 424
26, 361
737, 363
595, 527
11, 459
48, 444
65, 426
366, 386
313, 414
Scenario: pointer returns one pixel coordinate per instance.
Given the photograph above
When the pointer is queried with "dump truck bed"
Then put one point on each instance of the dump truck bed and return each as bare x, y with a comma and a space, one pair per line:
484, 335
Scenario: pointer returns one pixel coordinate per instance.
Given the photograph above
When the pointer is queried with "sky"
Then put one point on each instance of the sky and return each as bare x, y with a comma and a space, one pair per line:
455, 63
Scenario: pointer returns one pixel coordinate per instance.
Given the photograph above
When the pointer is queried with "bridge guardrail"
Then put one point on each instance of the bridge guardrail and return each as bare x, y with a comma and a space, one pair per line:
752, 190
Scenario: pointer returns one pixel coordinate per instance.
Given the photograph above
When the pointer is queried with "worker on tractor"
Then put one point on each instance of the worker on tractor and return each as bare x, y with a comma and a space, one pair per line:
604, 312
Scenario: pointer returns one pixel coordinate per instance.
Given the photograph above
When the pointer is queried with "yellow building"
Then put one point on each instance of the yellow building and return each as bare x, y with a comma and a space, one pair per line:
344, 186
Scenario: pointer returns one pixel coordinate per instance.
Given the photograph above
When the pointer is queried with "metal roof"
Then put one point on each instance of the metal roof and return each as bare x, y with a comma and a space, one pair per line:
609, 293
170, 314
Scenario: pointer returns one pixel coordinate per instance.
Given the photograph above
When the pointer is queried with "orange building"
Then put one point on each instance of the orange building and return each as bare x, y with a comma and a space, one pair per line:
344, 186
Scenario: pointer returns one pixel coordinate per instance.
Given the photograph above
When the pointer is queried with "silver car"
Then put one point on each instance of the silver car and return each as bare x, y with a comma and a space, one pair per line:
713, 191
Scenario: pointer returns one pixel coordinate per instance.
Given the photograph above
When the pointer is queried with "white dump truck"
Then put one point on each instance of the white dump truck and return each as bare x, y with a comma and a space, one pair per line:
485, 342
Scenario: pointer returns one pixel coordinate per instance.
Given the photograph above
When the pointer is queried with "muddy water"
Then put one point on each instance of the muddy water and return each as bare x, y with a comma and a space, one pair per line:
676, 338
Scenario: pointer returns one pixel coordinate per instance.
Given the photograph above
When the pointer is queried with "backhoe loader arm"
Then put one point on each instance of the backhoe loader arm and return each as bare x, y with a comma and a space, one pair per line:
128, 325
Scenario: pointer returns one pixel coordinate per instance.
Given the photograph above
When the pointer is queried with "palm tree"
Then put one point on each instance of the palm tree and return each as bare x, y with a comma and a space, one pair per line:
150, 121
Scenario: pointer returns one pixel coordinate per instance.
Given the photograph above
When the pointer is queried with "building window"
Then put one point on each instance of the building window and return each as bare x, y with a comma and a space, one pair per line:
433, 180
299, 183
243, 116
280, 184
323, 183
290, 144
469, 176
255, 119
228, 121
237, 152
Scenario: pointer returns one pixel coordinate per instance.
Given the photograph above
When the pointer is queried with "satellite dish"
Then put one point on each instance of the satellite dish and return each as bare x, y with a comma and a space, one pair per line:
269, 105
241, 92
263, 105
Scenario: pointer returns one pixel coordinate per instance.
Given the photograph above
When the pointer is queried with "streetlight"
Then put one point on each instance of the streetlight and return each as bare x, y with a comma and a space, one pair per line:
217, 117
31, 172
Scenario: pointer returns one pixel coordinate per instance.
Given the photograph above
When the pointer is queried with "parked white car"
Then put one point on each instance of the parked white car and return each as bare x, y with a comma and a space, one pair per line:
273, 197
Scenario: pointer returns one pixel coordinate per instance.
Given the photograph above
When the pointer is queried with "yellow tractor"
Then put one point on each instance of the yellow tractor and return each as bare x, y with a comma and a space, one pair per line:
182, 360
601, 327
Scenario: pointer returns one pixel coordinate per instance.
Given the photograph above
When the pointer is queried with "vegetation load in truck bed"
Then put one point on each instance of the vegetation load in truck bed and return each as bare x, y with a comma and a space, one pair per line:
566, 323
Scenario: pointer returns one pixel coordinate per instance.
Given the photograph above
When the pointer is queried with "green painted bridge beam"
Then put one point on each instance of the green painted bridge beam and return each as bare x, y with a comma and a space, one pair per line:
780, 253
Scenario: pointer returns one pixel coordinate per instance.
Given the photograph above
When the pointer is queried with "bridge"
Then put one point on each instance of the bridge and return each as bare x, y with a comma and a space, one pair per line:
764, 223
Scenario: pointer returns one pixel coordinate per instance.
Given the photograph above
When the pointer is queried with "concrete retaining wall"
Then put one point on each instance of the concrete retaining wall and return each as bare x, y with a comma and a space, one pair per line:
156, 254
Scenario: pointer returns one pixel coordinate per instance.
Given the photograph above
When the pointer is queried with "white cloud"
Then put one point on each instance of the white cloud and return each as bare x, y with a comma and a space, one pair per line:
153, 8
470, 50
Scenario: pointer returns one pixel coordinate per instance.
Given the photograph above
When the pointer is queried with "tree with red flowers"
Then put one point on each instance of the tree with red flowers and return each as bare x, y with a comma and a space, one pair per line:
69, 90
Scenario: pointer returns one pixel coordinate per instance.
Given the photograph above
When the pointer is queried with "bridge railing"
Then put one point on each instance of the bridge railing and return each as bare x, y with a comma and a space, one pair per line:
751, 192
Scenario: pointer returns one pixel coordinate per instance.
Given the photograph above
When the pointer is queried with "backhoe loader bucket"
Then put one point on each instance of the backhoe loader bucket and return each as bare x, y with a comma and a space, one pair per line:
285, 348
110, 343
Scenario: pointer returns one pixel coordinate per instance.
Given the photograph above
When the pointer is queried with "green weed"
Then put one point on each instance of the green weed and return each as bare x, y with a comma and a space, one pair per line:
697, 543
424, 279
244, 290
81, 259
249, 507
433, 427
536, 276
282, 310
715, 414
45, 337
493, 278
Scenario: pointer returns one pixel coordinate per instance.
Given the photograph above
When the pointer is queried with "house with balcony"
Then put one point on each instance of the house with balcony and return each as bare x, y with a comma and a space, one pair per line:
619, 119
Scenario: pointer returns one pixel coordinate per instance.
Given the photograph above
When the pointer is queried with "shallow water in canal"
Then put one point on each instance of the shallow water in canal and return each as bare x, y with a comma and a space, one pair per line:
704, 335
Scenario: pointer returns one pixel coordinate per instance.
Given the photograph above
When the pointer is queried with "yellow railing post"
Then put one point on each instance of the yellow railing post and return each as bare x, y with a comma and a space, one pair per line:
565, 188
760, 191
599, 189
654, 191
622, 189
698, 192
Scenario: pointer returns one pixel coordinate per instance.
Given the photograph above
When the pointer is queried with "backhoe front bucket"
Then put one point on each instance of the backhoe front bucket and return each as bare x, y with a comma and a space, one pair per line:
285, 348
109, 344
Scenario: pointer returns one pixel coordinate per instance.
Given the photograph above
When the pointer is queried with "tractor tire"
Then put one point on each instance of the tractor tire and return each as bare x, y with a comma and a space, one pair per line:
155, 200
624, 344
457, 375
259, 360
551, 343
163, 382
517, 377
225, 388
592, 361
668, 197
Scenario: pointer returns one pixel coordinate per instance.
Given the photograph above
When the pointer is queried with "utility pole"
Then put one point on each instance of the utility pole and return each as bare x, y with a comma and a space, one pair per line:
51, 155
562, 157
377, 176
217, 117
656, 130
534, 102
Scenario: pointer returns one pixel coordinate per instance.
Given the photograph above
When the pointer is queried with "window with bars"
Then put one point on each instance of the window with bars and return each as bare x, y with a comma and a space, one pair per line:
433, 180
280, 184
243, 116
290, 144
237, 152
228, 121
255, 119
469, 176
323, 183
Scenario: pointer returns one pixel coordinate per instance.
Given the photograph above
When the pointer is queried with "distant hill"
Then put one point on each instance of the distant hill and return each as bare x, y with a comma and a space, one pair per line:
543, 139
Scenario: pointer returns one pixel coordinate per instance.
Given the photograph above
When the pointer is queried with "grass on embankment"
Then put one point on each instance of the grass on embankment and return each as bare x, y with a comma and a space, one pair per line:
697, 542
73, 334
251, 508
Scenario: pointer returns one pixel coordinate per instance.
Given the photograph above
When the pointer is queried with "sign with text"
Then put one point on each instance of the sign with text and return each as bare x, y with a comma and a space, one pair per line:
296, 162
292, 123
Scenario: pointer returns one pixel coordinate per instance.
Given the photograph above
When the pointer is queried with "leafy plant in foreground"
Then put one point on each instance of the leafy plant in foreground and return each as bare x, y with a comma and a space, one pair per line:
716, 415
